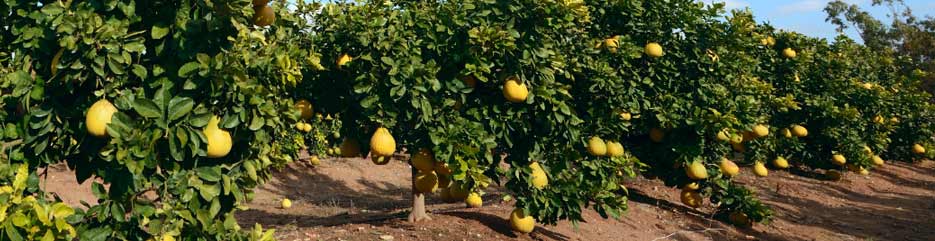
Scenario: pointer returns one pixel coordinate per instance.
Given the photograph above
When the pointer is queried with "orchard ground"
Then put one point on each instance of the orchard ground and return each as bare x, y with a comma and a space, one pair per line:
351, 199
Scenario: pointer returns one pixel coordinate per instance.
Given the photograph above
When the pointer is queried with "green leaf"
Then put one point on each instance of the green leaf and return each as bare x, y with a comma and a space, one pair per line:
140, 71
96, 234
256, 123
61, 210
157, 32
187, 69
146, 108
179, 107
209, 173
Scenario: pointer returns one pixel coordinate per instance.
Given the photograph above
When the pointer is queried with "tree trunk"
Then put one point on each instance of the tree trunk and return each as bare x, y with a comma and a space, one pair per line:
418, 202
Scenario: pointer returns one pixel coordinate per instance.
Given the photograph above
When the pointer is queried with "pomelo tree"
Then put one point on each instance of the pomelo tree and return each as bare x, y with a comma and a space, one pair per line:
175, 110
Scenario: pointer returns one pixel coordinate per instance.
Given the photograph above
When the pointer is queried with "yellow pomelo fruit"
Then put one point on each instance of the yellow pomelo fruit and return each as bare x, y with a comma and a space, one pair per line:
877, 160
799, 131
305, 107
514, 91
691, 199
878, 119
98, 116
918, 149
696, 170
473, 200
788, 53
739, 219
521, 222
691, 186
457, 191
442, 168
786, 132
759, 169
760, 131
867, 150
349, 148
653, 50
626, 116
614, 149
264, 16
380, 160
423, 160
894, 119
770, 41
838, 159
314, 160
612, 44
307, 127
299, 126
286, 203
736, 139
382, 143
538, 177
344, 59
729, 168
596, 146
781, 163
723, 136
863, 171
426, 182
219, 141
656, 135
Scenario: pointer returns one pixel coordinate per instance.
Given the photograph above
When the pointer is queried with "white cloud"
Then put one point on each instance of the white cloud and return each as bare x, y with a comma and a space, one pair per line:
729, 4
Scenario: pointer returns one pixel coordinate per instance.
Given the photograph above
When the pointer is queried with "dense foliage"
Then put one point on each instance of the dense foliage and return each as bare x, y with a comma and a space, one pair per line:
586, 94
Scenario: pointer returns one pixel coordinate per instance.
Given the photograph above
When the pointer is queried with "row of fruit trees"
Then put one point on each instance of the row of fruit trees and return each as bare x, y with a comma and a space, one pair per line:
182, 108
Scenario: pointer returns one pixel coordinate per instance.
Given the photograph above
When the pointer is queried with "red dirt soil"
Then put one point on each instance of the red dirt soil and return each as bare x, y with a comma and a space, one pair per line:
351, 199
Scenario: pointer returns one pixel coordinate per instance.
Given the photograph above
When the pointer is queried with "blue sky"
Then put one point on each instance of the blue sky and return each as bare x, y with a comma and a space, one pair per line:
808, 17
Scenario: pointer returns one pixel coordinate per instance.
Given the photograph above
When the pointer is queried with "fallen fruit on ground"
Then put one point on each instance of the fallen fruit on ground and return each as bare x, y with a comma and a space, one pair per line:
521, 222
474, 200
285, 203
691, 198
